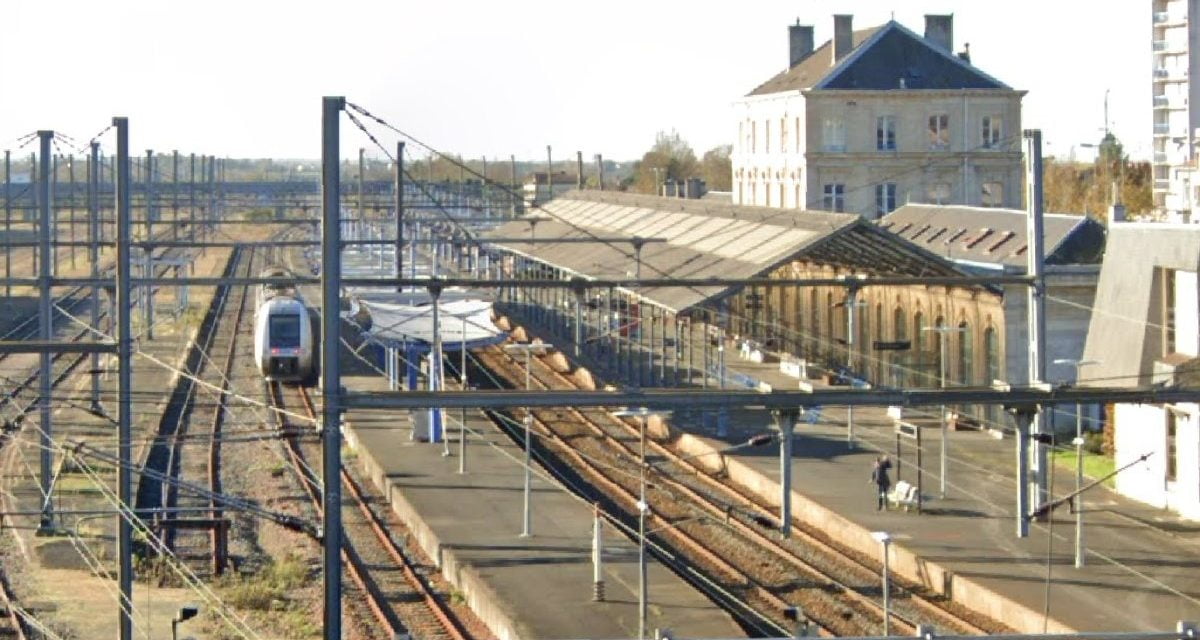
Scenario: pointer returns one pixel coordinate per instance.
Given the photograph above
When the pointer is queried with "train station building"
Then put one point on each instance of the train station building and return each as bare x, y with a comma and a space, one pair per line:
1145, 330
904, 335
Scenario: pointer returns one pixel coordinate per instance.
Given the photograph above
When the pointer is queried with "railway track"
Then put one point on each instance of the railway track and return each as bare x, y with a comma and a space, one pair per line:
229, 326
402, 600
20, 378
726, 532
20, 397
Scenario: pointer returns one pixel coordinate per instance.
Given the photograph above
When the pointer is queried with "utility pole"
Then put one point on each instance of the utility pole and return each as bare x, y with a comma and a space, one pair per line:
579, 170
399, 210
512, 185
483, 191
124, 381
1036, 292
211, 214
148, 251
71, 209
52, 178
7, 221
175, 195
45, 322
361, 205
149, 176
192, 200
549, 176
331, 276
600, 170
851, 305
93, 202
33, 182
785, 420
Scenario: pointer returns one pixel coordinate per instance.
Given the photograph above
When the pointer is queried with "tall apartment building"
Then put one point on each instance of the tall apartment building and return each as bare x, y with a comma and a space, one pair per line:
876, 118
1176, 52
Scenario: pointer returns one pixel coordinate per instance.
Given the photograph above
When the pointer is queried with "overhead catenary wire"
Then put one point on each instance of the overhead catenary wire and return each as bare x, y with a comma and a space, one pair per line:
615, 245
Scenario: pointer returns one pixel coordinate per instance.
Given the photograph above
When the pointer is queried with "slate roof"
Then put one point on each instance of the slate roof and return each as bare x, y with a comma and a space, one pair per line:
990, 236
706, 239
1124, 335
879, 57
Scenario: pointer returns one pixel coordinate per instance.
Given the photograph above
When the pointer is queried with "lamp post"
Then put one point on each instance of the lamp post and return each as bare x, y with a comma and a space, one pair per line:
943, 331
1078, 442
850, 303
526, 520
884, 539
643, 415
186, 612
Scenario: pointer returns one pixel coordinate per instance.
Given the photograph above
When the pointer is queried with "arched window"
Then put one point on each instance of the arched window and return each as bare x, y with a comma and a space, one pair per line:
831, 331
899, 333
920, 359
814, 324
940, 361
991, 355
966, 358
796, 322
991, 367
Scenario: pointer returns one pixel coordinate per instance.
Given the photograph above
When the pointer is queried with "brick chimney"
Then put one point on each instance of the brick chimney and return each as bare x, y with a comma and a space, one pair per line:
939, 31
843, 36
800, 42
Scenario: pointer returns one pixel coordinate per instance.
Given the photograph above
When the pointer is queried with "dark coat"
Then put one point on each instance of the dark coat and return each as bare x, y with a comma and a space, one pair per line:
879, 474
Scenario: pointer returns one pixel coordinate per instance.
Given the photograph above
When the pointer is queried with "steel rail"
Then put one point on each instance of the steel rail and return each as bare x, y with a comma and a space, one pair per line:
628, 502
354, 563
440, 611
750, 532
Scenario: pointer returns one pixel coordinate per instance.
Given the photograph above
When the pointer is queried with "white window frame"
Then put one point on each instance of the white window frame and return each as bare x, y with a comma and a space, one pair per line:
885, 198
939, 131
885, 133
993, 131
834, 196
833, 135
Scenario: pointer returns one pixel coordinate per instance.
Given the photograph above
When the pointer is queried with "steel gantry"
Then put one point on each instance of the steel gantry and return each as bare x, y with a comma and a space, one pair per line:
1024, 401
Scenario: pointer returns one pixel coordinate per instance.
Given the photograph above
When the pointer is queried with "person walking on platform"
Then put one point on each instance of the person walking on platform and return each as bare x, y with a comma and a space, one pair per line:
879, 476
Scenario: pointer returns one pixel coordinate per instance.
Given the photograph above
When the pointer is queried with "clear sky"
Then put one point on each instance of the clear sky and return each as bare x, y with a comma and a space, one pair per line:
481, 77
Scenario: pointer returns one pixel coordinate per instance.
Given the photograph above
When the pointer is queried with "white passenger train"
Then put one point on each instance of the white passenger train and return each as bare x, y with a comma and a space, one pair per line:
285, 333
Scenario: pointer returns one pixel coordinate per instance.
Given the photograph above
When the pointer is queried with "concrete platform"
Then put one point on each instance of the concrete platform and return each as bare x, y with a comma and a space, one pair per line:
1140, 569
537, 587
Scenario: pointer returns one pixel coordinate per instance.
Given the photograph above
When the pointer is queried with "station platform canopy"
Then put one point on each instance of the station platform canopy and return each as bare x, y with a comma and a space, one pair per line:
698, 239
397, 318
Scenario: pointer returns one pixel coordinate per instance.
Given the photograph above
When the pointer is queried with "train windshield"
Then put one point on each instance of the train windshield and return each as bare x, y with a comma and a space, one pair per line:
284, 331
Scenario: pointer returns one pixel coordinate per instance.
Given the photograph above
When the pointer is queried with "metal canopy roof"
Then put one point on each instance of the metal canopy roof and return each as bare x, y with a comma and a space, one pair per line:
705, 239
990, 236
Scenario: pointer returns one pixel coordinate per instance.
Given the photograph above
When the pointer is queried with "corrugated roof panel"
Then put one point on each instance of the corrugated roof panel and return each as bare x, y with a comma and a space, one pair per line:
722, 235
702, 231
669, 225
704, 241
641, 225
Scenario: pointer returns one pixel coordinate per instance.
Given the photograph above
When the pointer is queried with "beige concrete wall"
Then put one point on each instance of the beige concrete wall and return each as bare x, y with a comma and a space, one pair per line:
790, 171
788, 314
